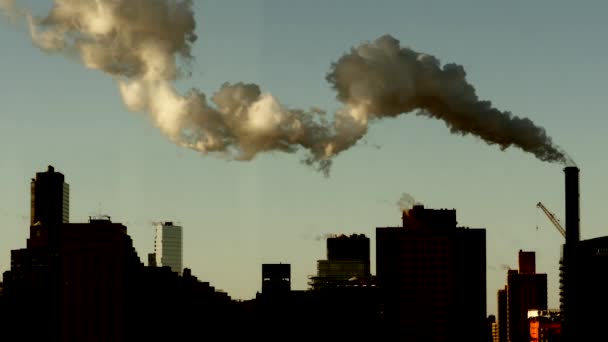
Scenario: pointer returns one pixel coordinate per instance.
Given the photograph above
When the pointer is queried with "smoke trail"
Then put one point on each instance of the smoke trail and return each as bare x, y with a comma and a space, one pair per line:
141, 43
386, 80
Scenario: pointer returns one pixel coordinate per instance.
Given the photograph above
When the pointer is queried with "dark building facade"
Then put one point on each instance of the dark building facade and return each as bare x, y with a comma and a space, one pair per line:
338, 313
50, 198
569, 287
502, 315
590, 273
276, 278
344, 247
526, 290
432, 276
85, 282
75, 278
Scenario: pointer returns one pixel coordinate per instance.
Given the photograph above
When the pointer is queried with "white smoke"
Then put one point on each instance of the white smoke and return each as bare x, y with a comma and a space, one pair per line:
406, 202
142, 42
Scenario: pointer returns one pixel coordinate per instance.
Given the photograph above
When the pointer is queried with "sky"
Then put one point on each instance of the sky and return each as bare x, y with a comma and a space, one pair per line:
544, 60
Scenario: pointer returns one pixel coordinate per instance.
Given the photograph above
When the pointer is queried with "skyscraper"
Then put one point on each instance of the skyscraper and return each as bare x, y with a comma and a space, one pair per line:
168, 246
502, 315
432, 275
526, 290
50, 198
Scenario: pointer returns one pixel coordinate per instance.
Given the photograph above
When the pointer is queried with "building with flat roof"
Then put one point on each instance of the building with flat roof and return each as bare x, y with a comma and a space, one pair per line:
347, 263
502, 315
168, 246
432, 277
50, 198
276, 279
526, 290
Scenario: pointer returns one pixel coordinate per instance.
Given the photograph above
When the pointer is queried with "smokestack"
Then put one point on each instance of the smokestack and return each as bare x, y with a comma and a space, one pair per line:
572, 205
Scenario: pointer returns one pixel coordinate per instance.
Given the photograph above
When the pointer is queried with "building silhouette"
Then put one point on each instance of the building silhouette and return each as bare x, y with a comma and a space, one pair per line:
50, 198
569, 284
432, 275
276, 279
347, 263
502, 315
85, 282
327, 313
590, 273
526, 290
75, 276
168, 246
491, 329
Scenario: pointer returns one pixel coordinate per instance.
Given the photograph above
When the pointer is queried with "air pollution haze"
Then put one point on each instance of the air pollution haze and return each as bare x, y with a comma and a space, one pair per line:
145, 44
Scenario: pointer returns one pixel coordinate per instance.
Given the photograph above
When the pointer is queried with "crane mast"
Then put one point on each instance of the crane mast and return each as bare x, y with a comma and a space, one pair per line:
553, 219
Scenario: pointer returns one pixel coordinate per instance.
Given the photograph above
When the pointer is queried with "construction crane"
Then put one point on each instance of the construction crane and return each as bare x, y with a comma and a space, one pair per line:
553, 219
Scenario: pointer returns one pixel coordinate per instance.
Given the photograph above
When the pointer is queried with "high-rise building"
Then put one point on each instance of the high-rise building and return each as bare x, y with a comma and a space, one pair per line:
502, 315
347, 263
589, 274
50, 198
432, 275
526, 290
168, 246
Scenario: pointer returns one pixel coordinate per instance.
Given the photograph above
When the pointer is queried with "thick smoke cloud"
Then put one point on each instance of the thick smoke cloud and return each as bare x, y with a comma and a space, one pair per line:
142, 43
386, 80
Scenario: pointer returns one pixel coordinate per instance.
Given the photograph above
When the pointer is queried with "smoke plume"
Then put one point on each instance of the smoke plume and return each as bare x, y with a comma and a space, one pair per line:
406, 202
142, 43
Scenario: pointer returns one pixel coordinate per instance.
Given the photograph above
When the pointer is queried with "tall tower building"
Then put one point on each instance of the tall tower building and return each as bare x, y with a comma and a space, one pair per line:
168, 246
432, 275
502, 315
50, 198
526, 290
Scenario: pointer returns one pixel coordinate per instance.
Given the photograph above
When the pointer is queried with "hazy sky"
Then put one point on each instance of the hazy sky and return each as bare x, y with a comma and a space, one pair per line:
545, 60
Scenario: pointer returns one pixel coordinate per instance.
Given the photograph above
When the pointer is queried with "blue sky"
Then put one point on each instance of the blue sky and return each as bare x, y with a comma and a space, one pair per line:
544, 60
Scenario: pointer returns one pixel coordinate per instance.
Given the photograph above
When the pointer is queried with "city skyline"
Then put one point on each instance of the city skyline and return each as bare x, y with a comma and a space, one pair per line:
270, 210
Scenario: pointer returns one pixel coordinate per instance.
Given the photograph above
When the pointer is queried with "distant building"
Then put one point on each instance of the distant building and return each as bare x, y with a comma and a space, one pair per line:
495, 337
502, 315
168, 246
526, 290
432, 275
347, 263
152, 259
545, 326
50, 198
339, 313
276, 279
491, 329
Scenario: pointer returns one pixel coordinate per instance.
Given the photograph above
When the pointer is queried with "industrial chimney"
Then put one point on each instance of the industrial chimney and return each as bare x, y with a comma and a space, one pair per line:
572, 205
570, 287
